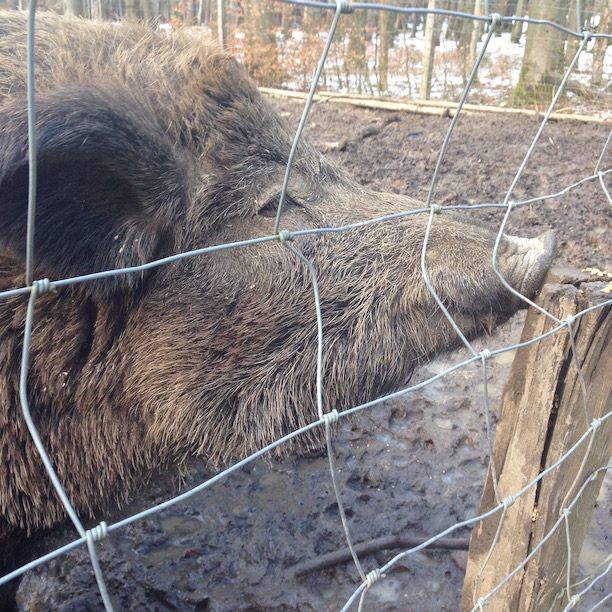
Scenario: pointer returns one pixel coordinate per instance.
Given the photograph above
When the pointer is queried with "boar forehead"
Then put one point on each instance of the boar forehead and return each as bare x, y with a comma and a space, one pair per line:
201, 98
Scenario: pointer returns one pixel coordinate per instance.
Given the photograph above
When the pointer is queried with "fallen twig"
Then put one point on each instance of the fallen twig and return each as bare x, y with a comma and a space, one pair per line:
366, 548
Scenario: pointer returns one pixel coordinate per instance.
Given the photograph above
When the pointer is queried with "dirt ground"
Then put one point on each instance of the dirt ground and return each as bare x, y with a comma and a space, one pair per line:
413, 466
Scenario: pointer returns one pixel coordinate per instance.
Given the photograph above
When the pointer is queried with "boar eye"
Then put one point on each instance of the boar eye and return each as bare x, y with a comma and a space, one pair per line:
270, 208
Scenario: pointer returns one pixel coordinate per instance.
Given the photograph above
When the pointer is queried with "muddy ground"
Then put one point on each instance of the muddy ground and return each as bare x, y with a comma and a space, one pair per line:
413, 466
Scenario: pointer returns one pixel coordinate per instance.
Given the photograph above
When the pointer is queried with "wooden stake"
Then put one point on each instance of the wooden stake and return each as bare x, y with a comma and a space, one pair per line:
542, 417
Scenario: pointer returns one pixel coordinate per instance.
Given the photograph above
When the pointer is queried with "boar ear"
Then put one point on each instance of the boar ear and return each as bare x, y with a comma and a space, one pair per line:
110, 186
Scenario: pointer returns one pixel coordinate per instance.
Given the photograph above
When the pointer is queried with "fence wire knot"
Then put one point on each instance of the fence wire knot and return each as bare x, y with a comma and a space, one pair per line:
508, 501
97, 534
485, 354
570, 320
372, 578
595, 423
481, 602
574, 601
331, 418
345, 6
496, 19
285, 236
436, 208
42, 286
565, 512
586, 36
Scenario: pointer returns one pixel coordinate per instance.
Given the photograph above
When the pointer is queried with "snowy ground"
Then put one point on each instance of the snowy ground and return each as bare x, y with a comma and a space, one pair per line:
498, 74
499, 71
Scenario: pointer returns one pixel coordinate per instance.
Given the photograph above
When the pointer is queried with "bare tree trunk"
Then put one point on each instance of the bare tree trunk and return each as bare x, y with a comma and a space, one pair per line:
261, 56
601, 44
455, 24
544, 51
465, 33
437, 31
517, 28
428, 54
503, 8
386, 23
572, 23
74, 7
356, 49
104, 9
414, 20
221, 29
477, 29
147, 10
132, 9
201, 12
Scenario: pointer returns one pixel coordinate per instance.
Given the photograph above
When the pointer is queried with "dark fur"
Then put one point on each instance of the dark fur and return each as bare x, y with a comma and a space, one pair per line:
151, 145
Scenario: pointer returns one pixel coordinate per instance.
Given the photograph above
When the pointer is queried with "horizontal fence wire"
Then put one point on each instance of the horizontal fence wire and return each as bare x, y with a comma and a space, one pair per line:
368, 578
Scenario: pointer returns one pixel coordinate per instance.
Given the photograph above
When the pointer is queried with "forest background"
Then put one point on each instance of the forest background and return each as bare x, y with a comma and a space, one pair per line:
384, 53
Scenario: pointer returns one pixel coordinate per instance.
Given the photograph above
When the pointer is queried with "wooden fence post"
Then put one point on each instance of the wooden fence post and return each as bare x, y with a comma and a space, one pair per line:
542, 417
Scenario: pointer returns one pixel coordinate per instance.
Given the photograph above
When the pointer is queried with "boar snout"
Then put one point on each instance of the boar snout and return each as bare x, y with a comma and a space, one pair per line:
525, 261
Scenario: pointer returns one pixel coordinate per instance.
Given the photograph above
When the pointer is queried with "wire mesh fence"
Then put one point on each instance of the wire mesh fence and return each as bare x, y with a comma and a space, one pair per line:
326, 420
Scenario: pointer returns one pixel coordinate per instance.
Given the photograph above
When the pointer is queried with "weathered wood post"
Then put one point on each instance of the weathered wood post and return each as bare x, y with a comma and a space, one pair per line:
542, 416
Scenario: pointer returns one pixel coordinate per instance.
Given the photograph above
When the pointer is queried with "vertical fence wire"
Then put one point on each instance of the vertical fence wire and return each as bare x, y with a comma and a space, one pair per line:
32, 152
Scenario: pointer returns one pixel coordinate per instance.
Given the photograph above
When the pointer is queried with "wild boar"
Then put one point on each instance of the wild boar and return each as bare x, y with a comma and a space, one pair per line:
152, 144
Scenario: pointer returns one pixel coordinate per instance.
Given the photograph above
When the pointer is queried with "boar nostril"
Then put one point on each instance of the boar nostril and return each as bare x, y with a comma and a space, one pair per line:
546, 245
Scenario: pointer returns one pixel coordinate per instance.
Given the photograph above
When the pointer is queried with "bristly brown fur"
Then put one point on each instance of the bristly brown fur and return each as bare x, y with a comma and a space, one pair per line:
151, 145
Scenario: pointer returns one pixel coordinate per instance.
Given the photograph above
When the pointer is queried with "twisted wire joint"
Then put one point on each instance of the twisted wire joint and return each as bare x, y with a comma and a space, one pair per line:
485, 354
97, 534
508, 501
285, 236
496, 19
574, 601
331, 418
345, 6
372, 578
42, 286
595, 424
